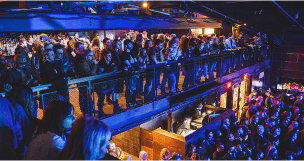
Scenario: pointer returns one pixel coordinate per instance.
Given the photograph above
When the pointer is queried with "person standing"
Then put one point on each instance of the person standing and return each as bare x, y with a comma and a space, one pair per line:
19, 74
21, 49
50, 136
156, 56
87, 67
228, 42
129, 61
119, 83
105, 65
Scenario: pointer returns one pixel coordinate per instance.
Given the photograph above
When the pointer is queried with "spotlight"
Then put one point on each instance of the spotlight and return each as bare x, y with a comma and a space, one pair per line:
245, 24
145, 4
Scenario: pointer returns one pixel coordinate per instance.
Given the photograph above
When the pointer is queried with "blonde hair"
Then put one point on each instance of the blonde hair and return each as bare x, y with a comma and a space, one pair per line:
141, 153
163, 153
72, 43
87, 135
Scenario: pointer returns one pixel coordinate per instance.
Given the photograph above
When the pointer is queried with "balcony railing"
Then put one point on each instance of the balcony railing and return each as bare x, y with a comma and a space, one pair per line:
188, 73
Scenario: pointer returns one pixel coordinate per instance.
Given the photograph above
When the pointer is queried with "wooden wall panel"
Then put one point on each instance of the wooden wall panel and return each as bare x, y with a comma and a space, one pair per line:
128, 141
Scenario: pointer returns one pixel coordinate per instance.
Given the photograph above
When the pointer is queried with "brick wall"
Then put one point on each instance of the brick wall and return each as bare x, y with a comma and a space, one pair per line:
129, 141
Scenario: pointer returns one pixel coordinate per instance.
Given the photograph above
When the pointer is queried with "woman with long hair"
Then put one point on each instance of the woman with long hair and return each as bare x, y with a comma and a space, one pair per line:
119, 83
142, 62
49, 138
89, 140
96, 48
22, 98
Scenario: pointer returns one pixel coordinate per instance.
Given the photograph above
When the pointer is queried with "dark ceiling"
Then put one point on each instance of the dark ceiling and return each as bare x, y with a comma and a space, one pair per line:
265, 16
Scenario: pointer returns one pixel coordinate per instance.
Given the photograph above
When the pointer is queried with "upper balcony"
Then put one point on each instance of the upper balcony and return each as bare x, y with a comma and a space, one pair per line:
195, 77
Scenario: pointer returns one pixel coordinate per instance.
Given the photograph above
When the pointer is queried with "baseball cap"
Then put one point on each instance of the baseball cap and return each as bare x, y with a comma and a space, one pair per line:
20, 59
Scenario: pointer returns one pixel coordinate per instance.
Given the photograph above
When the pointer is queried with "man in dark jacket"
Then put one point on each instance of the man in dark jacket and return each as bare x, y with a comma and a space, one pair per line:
65, 66
21, 49
20, 74
87, 67
49, 74
48, 71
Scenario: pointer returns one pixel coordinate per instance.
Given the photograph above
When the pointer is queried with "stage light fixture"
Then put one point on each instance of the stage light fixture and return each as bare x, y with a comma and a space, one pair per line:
145, 4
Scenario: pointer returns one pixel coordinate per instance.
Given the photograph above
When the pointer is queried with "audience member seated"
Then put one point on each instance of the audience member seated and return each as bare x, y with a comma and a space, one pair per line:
22, 99
89, 140
50, 136
11, 139
165, 154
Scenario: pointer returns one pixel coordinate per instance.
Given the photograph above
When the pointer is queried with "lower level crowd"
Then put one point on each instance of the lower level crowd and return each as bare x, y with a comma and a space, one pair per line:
271, 126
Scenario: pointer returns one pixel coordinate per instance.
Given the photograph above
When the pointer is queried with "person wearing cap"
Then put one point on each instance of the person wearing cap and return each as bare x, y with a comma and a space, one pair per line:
21, 49
19, 74
87, 67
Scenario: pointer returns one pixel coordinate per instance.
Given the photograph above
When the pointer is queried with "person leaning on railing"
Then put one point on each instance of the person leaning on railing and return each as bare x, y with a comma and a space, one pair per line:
170, 72
119, 83
105, 65
201, 69
129, 59
189, 67
156, 56
87, 67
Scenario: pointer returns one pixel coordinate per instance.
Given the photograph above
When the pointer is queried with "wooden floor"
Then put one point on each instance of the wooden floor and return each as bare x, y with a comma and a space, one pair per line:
108, 108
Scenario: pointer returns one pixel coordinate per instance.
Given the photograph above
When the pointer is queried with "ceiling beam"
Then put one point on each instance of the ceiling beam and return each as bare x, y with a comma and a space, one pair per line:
26, 22
287, 15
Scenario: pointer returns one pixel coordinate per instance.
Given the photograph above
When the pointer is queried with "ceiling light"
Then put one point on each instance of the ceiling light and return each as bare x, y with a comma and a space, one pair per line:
145, 4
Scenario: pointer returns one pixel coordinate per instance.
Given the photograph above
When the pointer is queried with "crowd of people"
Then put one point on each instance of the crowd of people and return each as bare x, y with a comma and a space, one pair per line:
58, 58
56, 136
270, 126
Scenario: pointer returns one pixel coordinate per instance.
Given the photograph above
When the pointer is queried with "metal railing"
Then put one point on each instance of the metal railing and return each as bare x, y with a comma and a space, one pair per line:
87, 93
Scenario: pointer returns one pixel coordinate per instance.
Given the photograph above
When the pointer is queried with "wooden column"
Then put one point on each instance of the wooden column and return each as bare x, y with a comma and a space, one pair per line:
229, 101
170, 129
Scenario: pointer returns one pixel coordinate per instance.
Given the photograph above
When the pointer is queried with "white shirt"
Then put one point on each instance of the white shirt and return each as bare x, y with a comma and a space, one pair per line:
47, 146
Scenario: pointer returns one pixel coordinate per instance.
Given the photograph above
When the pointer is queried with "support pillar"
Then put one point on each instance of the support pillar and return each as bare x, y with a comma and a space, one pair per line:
229, 102
170, 127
